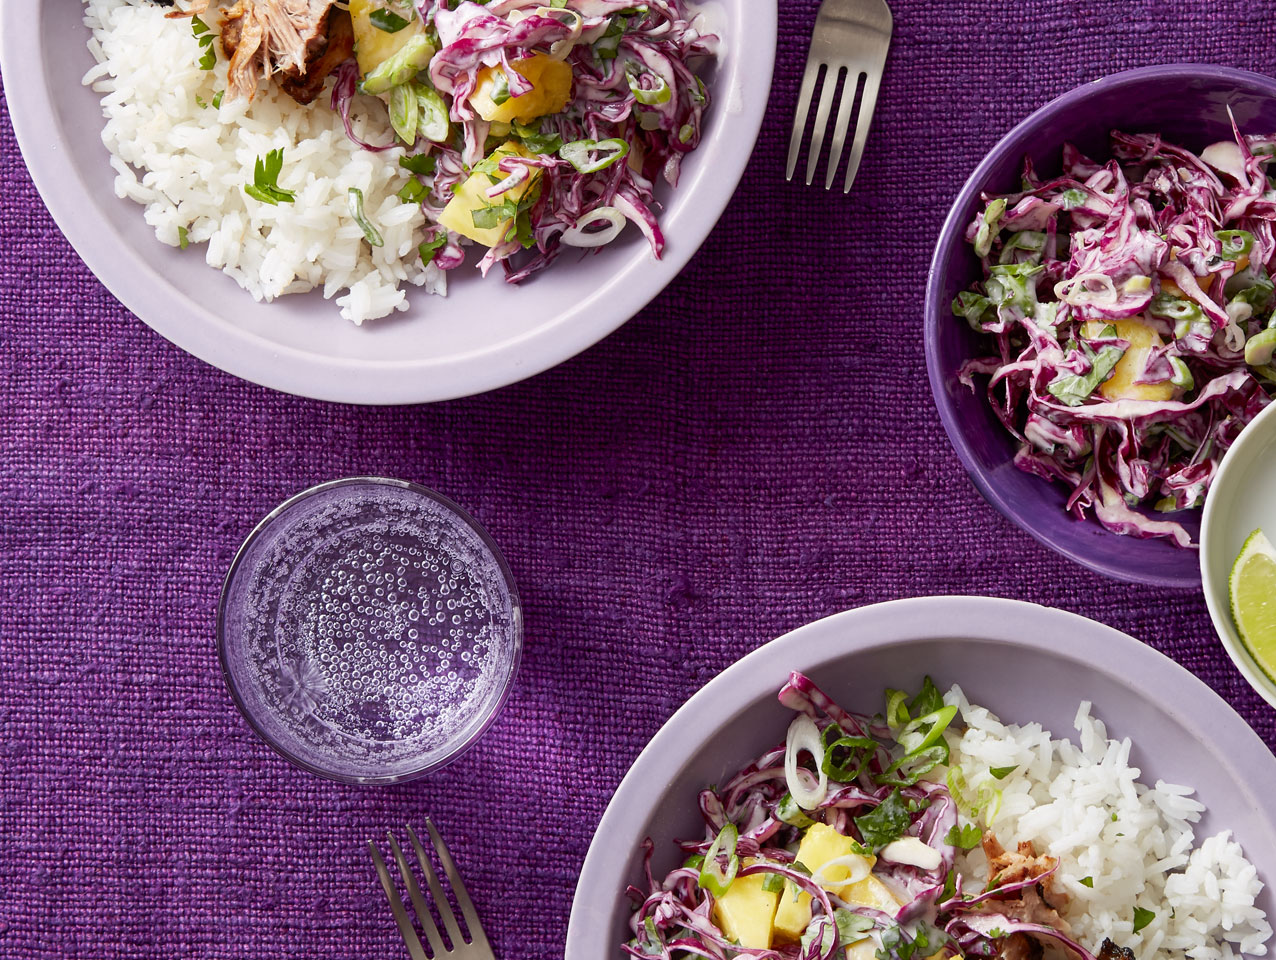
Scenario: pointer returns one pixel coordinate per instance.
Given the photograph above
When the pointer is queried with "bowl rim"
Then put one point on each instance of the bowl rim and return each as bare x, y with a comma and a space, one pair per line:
744, 82
516, 611
1221, 614
1013, 623
936, 313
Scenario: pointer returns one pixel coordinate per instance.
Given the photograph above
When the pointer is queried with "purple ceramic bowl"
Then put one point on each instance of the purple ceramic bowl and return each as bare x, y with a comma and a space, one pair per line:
1187, 103
1024, 662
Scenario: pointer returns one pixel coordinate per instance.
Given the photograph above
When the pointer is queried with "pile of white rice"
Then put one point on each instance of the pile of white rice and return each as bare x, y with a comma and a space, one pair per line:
1085, 805
188, 163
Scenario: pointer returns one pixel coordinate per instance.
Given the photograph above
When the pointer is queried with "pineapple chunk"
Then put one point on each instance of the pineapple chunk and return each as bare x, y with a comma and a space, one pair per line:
745, 912
471, 195
551, 90
871, 892
864, 949
372, 45
1120, 384
821, 844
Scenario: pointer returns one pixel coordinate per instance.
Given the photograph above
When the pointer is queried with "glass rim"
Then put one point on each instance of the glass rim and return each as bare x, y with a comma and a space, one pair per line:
454, 751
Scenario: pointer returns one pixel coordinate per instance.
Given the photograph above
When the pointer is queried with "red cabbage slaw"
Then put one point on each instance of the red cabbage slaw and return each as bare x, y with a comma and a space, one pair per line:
1129, 308
866, 777
636, 110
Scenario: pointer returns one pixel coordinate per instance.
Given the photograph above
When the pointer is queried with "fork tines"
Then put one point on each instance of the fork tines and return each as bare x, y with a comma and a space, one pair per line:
456, 945
851, 40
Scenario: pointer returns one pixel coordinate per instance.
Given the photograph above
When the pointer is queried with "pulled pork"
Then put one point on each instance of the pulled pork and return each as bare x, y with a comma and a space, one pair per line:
1039, 903
298, 41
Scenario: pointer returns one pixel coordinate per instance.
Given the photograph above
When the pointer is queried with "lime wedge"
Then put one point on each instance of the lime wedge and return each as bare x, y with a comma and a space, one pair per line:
1252, 586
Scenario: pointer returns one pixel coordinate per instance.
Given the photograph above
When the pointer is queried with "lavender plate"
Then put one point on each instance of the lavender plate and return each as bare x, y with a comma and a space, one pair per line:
1188, 104
1023, 661
482, 336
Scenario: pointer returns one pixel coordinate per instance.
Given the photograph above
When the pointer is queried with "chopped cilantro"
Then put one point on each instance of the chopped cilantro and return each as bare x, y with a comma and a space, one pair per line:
885, 823
773, 883
265, 186
387, 21
183, 237
427, 251
1000, 773
850, 926
1142, 918
208, 59
420, 164
928, 700
967, 837
897, 946
413, 191
1087, 882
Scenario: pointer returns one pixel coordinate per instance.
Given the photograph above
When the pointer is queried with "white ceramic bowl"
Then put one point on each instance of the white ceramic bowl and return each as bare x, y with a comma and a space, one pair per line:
1242, 499
1022, 661
484, 335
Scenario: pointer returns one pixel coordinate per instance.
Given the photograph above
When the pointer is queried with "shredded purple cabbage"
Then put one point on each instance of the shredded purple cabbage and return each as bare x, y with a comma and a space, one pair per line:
676, 916
1129, 308
633, 67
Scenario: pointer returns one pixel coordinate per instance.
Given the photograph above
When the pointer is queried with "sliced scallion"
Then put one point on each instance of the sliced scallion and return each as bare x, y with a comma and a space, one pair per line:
370, 233
650, 96
404, 113
590, 156
713, 877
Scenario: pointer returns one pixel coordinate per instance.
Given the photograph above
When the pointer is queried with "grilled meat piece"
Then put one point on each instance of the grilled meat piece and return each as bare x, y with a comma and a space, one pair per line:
1014, 866
1110, 951
301, 39
338, 47
1020, 946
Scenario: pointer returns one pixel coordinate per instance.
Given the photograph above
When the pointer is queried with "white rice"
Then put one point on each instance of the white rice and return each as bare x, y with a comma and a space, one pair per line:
188, 164
1084, 804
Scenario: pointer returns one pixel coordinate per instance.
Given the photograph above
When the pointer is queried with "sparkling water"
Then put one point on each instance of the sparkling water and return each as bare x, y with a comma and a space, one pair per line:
369, 630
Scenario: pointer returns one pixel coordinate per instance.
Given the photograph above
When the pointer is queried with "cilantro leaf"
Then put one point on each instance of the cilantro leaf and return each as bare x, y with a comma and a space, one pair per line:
1072, 389
387, 21
202, 30
265, 186
1000, 773
432, 246
1142, 918
928, 700
850, 926
413, 191
896, 944
967, 837
1087, 882
485, 218
421, 164
885, 823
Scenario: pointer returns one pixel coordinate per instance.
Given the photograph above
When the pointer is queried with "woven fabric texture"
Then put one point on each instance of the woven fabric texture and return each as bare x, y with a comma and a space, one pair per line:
755, 450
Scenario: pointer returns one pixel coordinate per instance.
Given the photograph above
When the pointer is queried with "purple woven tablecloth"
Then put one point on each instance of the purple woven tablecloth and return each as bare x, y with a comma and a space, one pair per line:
755, 450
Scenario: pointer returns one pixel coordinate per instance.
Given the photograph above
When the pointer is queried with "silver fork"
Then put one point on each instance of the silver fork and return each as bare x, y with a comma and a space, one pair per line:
477, 947
852, 36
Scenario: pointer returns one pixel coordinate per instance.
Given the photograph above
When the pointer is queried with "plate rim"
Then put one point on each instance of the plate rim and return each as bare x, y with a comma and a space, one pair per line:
908, 620
208, 335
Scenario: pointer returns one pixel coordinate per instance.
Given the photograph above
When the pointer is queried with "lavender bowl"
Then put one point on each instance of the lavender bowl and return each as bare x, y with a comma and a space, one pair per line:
1187, 103
1022, 661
